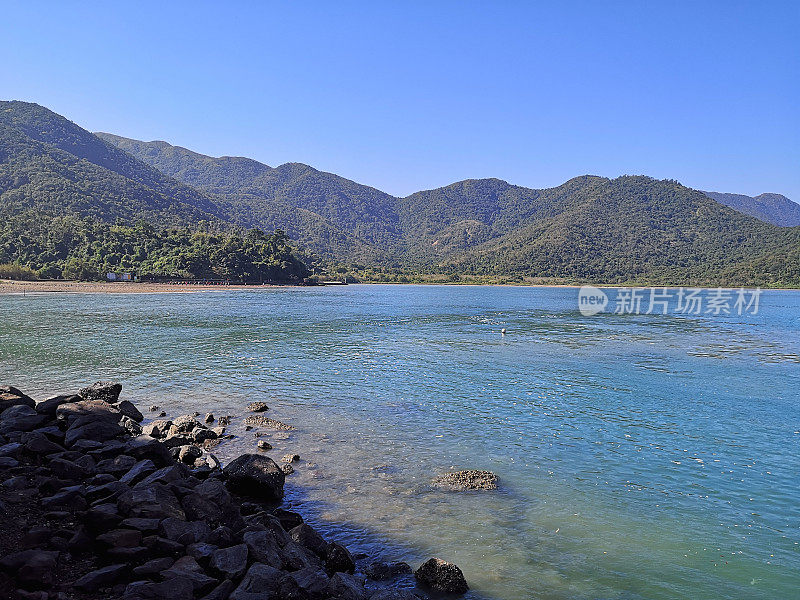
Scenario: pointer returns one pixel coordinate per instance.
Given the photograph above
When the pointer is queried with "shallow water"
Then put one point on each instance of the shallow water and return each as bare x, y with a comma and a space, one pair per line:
639, 456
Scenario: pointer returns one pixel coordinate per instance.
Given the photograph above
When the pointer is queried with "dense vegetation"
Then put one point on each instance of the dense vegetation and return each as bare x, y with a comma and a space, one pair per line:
772, 208
83, 248
77, 204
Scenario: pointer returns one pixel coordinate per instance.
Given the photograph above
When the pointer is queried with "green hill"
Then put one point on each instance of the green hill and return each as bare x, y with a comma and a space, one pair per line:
772, 208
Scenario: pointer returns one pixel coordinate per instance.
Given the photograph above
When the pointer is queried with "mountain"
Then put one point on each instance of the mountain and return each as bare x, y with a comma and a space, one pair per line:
772, 208
63, 188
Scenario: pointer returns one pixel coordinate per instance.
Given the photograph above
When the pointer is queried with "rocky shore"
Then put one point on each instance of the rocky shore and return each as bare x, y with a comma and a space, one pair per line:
93, 505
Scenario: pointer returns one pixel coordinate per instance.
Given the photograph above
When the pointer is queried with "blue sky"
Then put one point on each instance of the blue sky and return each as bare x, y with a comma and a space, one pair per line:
413, 95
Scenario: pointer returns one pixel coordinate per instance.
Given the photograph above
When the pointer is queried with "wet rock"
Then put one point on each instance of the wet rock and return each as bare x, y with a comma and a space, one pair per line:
187, 568
97, 431
257, 407
48, 407
287, 469
175, 440
442, 576
108, 391
467, 480
20, 417
225, 421
184, 424
201, 434
230, 562
264, 445
154, 408
296, 557
261, 582
87, 411
338, 559
188, 454
307, 536
174, 588
153, 501
38, 443
143, 446
346, 587
288, 518
381, 571
263, 546
11, 396
255, 475
314, 582
128, 409
101, 578
262, 421
209, 418
290, 458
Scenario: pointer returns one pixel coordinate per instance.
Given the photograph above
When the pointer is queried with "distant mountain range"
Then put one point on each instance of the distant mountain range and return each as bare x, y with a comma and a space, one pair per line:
632, 228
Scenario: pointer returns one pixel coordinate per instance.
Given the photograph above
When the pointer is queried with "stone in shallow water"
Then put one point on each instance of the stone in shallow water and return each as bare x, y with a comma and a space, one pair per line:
255, 475
262, 421
467, 480
107, 391
257, 407
443, 576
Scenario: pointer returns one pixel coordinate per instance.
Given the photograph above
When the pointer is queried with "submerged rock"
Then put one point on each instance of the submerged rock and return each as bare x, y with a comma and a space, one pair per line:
442, 576
467, 480
257, 407
262, 421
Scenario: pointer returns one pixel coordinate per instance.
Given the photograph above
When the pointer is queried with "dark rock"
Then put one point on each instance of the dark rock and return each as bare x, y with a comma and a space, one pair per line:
262, 421
106, 492
314, 582
212, 503
255, 475
287, 469
13, 450
174, 588
101, 578
230, 562
87, 411
288, 518
6, 462
222, 536
153, 501
184, 424
173, 473
97, 431
36, 537
257, 407
106, 391
201, 552
117, 465
80, 542
189, 454
102, 517
290, 458
126, 554
221, 592
143, 446
131, 426
307, 536
20, 417
143, 525
202, 434
154, 407
442, 576
69, 499
120, 538
174, 440
346, 587
128, 409
157, 429
11, 396
32, 568
209, 418
187, 568
394, 595
381, 571
162, 546
184, 532
264, 548
48, 407
66, 469
153, 567
38, 443
261, 582
338, 559
296, 557
264, 445
467, 480
139, 471
264, 520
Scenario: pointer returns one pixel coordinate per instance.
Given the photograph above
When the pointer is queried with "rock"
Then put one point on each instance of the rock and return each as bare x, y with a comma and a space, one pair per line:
188, 454
98, 431
153, 501
101, 578
184, 424
394, 595
87, 411
154, 408
201, 434
211, 502
80, 542
174, 440
263, 547
346, 587
307, 536
209, 418
467, 480
6, 462
157, 429
262, 421
230, 562
102, 517
290, 458
38, 443
381, 571
264, 445
20, 417
261, 582
139, 471
296, 557
66, 469
121, 538
255, 475
128, 409
68, 499
143, 446
222, 536
117, 465
143, 525
174, 473
287, 469
442, 576
153, 567
107, 391
201, 552
162, 414
257, 407
221, 592
225, 421
32, 568
338, 559
287, 518
184, 532
187, 568
174, 588
36, 537
48, 407
11, 396
314, 582
131, 426
12, 449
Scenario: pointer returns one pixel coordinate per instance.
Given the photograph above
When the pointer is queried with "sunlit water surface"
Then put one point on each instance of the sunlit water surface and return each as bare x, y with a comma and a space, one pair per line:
639, 457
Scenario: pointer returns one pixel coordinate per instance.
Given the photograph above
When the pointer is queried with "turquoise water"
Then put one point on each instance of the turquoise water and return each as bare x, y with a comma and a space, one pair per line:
639, 456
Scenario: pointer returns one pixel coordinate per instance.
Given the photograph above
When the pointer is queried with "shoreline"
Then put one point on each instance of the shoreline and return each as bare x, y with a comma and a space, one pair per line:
13, 287
100, 503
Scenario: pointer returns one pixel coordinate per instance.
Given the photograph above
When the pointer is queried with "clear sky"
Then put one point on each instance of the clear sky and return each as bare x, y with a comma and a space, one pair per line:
414, 95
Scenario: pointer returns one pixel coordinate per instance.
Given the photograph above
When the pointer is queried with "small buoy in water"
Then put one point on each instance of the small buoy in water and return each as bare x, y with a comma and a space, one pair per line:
503, 331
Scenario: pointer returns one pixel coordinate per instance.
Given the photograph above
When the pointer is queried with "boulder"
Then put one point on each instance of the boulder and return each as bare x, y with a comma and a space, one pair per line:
139, 471
120, 538
187, 568
153, 501
32, 568
107, 391
184, 424
87, 411
264, 547
158, 428
261, 582
442, 576
48, 407
129, 409
143, 446
11, 396
467, 480
20, 417
381, 571
101, 578
174, 588
97, 431
346, 587
307, 536
230, 562
221, 592
338, 559
257, 407
184, 532
255, 475
131, 426
38, 443
153, 567
314, 582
